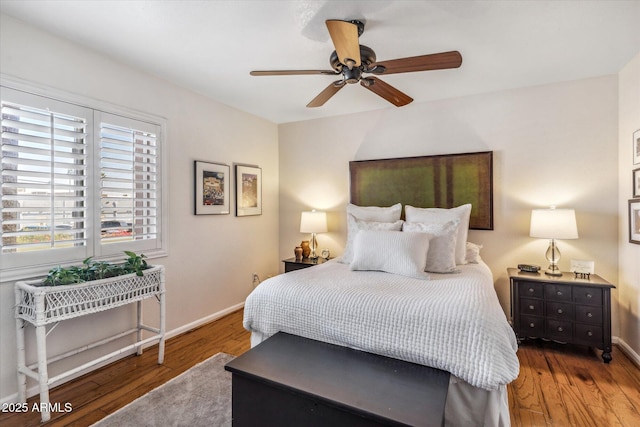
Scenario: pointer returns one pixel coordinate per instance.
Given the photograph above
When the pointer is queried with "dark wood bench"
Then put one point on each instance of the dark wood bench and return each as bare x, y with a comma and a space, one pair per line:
292, 381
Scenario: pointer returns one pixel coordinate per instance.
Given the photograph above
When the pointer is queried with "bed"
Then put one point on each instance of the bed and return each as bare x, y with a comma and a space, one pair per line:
403, 289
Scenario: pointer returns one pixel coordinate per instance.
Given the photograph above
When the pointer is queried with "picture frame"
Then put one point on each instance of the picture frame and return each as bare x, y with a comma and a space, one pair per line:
634, 221
636, 182
248, 190
636, 147
212, 187
440, 181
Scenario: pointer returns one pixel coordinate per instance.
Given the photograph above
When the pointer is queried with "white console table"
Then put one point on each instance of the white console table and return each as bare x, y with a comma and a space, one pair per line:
48, 305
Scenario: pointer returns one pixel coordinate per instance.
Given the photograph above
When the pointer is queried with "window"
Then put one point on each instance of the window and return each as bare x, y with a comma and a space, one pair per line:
76, 182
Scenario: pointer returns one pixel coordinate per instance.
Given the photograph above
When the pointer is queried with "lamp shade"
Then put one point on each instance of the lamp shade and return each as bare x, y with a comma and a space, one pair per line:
553, 224
313, 222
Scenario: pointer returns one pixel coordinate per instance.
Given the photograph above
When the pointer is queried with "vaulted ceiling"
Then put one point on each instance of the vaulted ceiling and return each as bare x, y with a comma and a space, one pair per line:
211, 46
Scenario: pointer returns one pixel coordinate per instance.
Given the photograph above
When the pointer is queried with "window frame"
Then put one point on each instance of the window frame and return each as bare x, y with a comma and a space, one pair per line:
93, 248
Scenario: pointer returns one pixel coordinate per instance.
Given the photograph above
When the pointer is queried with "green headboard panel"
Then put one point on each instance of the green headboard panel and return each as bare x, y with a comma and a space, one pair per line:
444, 181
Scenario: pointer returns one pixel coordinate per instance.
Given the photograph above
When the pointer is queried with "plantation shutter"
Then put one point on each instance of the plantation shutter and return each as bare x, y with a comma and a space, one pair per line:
129, 183
45, 159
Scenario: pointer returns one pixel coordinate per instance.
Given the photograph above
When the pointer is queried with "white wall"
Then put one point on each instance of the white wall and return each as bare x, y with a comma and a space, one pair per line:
212, 257
629, 271
553, 145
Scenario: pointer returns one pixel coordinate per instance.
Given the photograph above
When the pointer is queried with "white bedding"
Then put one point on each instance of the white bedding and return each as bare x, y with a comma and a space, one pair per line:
452, 322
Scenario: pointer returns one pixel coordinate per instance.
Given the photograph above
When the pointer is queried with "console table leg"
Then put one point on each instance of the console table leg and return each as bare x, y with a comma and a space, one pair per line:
22, 378
606, 356
162, 325
139, 333
43, 376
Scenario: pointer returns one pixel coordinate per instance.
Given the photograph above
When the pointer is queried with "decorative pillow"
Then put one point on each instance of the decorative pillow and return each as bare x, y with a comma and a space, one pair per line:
354, 226
375, 213
367, 213
473, 253
439, 216
392, 252
441, 257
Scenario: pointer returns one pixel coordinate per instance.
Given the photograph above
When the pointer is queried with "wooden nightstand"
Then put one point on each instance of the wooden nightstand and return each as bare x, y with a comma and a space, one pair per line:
562, 308
291, 264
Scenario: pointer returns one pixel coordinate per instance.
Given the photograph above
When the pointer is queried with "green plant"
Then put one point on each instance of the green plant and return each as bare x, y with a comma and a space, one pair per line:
95, 270
135, 263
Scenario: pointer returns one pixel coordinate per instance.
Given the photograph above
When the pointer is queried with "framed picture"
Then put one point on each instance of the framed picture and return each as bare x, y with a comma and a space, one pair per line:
634, 221
212, 188
636, 182
248, 190
443, 181
636, 147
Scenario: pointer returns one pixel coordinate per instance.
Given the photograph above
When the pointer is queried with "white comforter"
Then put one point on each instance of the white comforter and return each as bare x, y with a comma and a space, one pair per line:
452, 322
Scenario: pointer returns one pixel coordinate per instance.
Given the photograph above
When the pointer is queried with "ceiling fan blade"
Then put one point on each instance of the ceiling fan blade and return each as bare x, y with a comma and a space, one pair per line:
435, 61
326, 94
344, 36
386, 91
292, 72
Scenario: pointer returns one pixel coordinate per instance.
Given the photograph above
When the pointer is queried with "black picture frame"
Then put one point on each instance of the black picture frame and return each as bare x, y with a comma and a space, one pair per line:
634, 221
212, 188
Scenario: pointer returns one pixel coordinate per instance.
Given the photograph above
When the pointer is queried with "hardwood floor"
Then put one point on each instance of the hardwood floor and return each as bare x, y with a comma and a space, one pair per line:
558, 385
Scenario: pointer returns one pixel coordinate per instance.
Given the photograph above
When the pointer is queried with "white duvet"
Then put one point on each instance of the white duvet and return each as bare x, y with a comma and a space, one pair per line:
452, 322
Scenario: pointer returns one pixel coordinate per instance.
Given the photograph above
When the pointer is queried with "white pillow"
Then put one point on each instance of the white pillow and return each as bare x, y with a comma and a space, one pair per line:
439, 216
392, 252
441, 257
354, 226
366, 213
473, 253
375, 213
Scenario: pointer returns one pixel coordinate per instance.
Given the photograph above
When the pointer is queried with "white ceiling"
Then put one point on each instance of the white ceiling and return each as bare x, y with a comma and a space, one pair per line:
210, 46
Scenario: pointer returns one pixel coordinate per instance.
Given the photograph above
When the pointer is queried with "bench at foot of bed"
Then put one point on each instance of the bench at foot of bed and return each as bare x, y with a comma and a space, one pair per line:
291, 381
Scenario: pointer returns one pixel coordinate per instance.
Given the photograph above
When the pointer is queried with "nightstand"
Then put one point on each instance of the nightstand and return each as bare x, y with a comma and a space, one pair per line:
562, 308
291, 264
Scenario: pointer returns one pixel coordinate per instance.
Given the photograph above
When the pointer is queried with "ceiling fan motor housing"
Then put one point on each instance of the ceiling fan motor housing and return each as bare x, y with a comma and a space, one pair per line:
367, 57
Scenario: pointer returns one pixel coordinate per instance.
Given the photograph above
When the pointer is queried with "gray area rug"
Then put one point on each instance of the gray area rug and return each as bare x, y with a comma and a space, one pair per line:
200, 396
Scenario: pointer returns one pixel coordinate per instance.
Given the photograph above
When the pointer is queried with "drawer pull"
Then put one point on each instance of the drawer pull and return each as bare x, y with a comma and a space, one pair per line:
589, 314
560, 329
560, 311
589, 296
590, 333
532, 325
559, 293
531, 307
531, 290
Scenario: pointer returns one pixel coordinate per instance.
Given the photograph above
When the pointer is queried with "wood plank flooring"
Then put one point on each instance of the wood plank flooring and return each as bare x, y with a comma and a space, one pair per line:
559, 385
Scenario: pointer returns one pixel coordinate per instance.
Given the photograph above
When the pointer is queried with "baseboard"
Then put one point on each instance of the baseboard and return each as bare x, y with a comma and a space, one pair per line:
628, 351
34, 390
202, 321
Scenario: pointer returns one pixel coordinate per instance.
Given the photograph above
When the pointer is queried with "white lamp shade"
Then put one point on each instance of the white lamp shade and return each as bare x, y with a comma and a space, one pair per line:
553, 224
313, 222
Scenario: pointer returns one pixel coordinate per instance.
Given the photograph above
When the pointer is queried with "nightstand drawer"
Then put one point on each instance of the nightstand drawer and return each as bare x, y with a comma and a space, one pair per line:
559, 330
588, 334
591, 296
530, 290
557, 292
560, 310
589, 314
531, 307
531, 326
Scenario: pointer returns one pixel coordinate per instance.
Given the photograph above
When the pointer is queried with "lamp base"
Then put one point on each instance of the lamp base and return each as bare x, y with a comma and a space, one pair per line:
553, 270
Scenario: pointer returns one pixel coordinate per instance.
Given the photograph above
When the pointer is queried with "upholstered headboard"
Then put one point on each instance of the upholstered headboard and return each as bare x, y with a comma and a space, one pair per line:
443, 181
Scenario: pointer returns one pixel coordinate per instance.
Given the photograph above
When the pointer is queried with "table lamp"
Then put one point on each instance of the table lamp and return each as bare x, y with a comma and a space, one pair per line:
553, 224
313, 222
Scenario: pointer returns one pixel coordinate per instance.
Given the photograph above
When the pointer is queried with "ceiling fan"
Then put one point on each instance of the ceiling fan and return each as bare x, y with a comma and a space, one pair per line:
351, 61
